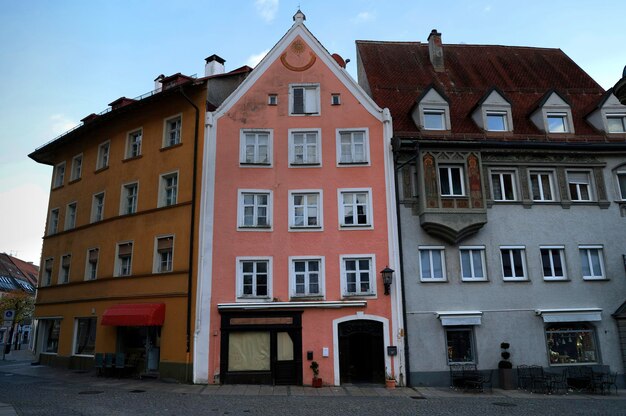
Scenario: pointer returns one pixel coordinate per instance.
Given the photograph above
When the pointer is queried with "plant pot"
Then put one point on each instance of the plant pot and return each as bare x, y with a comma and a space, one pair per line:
316, 382
390, 384
506, 378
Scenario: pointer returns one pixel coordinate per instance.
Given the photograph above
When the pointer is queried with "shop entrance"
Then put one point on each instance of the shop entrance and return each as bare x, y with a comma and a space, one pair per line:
142, 346
361, 352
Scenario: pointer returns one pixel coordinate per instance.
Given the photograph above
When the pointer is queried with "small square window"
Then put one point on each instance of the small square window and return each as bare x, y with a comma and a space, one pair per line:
173, 128
133, 144
77, 167
473, 263
592, 263
513, 263
305, 210
460, 345
305, 99
304, 148
451, 180
307, 277
255, 147
355, 208
496, 121
434, 119
164, 255
335, 99
255, 210
357, 276
59, 175
616, 123
432, 264
579, 185
103, 155
272, 99
542, 186
353, 147
254, 278
557, 123
553, 262
503, 185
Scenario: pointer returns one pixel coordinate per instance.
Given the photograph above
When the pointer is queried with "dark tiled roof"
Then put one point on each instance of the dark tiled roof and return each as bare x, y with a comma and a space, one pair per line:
398, 72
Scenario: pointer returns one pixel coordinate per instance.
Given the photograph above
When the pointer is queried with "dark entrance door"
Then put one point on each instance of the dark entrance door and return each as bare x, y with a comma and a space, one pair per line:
361, 352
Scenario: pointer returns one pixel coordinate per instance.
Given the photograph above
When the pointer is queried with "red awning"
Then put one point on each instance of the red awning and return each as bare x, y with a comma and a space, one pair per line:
134, 314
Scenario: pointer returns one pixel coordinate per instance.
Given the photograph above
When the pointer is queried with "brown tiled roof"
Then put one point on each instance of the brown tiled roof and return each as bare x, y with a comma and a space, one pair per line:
398, 72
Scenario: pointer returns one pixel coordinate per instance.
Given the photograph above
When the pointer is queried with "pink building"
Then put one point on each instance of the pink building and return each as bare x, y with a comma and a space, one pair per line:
297, 223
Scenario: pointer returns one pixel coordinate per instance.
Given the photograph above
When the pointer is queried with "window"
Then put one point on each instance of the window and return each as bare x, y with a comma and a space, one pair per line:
124, 259
621, 184
352, 147
305, 99
59, 175
255, 209
164, 256
103, 155
357, 276
53, 222
460, 345
129, 198
335, 99
496, 121
591, 262
503, 186
64, 276
542, 186
579, 185
47, 275
256, 147
355, 208
168, 190
133, 144
254, 278
557, 123
172, 131
85, 336
553, 262
571, 343
306, 277
432, 264
616, 123
304, 147
434, 119
70, 216
97, 207
91, 271
272, 99
305, 209
473, 263
50, 328
513, 263
77, 167
451, 180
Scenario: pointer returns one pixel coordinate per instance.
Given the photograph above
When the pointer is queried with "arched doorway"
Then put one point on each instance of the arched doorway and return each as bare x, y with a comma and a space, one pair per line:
361, 352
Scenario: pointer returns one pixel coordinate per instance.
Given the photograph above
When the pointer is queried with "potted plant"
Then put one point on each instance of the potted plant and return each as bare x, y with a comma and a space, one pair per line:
317, 381
505, 368
390, 381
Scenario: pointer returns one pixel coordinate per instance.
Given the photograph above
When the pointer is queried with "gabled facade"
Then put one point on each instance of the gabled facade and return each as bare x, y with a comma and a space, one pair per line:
297, 224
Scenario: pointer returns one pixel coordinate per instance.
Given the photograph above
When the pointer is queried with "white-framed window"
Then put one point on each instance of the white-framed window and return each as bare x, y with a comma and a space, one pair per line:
434, 119
53, 222
579, 185
542, 186
77, 167
85, 336
305, 210
357, 275
164, 254
59, 175
553, 262
496, 121
70, 216
592, 262
124, 259
133, 144
460, 345
503, 185
91, 266
305, 147
335, 99
103, 155
64, 275
353, 147
306, 276
621, 184
254, 278
557, 122
473, 263
432, 260
255, 209
571, 343
50, 328
616, 123
355, 208
451, 180
304, 99
513, 263
97, 207
272, 99
168, 189
48, 265
172, 131
128, 203
255, 147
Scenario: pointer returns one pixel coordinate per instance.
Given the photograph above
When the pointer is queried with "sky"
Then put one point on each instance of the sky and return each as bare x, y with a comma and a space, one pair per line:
64, 59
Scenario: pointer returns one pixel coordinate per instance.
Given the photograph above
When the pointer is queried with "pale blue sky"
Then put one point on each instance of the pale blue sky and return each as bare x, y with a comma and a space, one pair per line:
61, 60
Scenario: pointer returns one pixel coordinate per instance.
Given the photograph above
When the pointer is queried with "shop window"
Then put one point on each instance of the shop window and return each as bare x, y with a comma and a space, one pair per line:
571, 343
85, 336
460, 345
50, 330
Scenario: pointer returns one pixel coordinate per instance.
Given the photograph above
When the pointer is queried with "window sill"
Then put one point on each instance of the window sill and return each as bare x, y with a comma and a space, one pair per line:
305, 165
524, 280
304, 114
253, 299
252, 165
74, 181
54, 188
596, 279
305, 228
102, 169
356, 227
359, 296
474, 280
164, 148
253, 228
433, 280
130, 159
298, 298
348, 164
556, 280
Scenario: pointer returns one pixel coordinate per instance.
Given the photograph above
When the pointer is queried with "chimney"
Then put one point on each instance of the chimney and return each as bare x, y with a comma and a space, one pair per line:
435, 50
214, 65
158, 85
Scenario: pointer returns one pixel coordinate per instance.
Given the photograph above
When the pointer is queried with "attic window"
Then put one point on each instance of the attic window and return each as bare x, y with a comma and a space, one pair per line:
305, 99
272, 99
335, 99
616, 123
434, 119
557, 123
496, 121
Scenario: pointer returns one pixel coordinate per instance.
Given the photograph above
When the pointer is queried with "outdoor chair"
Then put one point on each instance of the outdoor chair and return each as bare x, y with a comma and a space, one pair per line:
120, 363
523, 377
479, 383
538, 380
558, 382
99, 363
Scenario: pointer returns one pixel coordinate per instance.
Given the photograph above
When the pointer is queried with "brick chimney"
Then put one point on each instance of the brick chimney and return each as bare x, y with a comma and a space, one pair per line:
435, 50
214, 65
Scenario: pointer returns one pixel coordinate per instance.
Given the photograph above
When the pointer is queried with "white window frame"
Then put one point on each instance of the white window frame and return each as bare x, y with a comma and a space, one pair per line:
561, 253
292, 209
502, 114
157, 259
578, 185
551, 183
71, 210
430, 249
88, 268
471, 250
104, 155
118, 261
313, 99
242, 148
124, 205
366, 147
335, 99
621, 192
75, 336
241, 211
369, 207
47, 273
448, 167
239, 267
344, 278
94, 207
616, 116
59, 175
432, 111
167, 131
292, 148
164, 187
53, 221
501, 173
320, 281
134, 139
77, 167
600, 250
563, 115
64, 273
514, 278
272, 99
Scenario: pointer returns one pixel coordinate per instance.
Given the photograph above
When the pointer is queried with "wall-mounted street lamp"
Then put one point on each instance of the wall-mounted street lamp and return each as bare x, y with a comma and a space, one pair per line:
387, 275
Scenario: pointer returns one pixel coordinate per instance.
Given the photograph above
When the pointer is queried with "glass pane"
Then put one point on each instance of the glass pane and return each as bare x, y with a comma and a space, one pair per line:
621, 179
545, 186
261, 267
249, 351
466, 268
298, 266
545, 261
507, 179
425, 264
571, 343
496, 122
584, 262
284, 347
437, 265
433, 121
595, 262
459, 343
456, 181
350, 264
616, 124
557, 124
444, 181
478, 264
506, 263
314, 266
497, 187
517, 260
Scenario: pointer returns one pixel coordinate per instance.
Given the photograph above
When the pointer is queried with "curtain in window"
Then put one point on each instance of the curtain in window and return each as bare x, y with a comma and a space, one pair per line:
249, 351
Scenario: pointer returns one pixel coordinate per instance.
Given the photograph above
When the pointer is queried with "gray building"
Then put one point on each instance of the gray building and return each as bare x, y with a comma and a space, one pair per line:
511, 167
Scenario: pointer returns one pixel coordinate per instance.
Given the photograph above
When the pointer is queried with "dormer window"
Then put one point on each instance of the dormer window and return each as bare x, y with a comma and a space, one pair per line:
493, 112
434, 119
557, 123
616, 123
432, 111
553, 115
496, 121
609, 116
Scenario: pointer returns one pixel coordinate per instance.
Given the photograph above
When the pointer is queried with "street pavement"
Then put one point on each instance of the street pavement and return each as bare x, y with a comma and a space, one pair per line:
27, 389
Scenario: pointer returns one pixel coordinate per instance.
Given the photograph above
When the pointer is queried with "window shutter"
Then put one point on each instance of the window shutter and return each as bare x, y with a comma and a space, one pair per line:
578, 177
298, 100
165, 244
310, 100
93, 255
125, 249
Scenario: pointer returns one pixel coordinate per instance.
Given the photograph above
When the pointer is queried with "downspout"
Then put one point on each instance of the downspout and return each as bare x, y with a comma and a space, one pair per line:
192, 228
